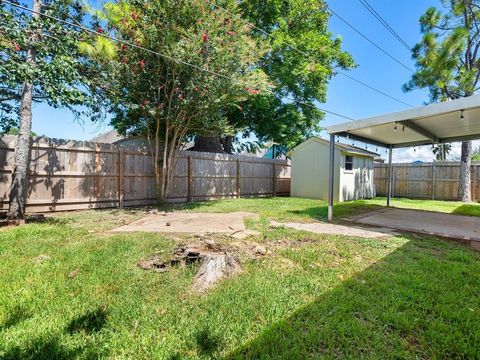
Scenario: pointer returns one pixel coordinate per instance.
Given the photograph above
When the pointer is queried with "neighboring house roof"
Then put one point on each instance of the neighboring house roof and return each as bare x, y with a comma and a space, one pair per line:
113, 137
275, 151
344, 147
110, 137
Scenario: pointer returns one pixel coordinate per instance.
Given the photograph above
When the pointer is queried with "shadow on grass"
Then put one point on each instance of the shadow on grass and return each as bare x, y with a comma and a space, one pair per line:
418, 302
52, 347
90, 322
207, 343
341, 210
48, 349
15, 316
186, 206
467, 209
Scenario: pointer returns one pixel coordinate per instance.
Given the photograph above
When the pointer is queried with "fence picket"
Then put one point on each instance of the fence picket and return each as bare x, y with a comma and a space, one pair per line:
438, 180
69, 175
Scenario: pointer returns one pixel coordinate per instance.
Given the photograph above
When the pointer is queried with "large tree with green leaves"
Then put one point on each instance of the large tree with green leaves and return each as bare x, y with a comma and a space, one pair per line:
40, 62
199, 65
301, 60
448, 63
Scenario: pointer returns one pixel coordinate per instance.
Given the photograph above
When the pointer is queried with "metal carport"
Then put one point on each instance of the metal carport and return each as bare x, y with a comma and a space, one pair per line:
451, 121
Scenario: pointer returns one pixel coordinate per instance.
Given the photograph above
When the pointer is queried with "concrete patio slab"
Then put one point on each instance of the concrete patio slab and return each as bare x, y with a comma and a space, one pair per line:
196, 223
444, 225
334, 229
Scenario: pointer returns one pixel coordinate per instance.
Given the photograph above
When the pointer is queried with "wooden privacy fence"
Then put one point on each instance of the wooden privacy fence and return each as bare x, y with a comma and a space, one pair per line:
438, 180
69, 175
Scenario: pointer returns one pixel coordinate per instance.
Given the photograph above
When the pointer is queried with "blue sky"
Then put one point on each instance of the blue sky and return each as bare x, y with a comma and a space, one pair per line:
344, 96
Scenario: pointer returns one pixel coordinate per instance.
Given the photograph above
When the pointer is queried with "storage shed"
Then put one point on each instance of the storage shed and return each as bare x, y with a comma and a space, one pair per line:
353, 171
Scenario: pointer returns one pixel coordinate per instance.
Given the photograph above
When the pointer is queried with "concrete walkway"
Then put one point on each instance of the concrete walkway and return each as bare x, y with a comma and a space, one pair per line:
333, 229
459, 227
196, 223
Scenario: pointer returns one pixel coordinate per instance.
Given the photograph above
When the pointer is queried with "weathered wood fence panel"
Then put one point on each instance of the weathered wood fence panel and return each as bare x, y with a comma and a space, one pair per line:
438, 180
67, 175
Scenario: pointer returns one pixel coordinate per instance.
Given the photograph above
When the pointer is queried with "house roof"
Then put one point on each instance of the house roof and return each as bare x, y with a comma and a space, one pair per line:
445, 122
350, 149
110, 137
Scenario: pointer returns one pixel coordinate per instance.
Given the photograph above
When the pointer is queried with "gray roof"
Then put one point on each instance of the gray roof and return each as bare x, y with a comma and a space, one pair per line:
357, 149
345, 147
110, 137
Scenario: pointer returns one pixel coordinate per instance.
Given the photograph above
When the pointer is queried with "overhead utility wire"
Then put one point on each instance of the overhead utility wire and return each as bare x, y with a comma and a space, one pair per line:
382, 21
309, 56
370, 41
127, 43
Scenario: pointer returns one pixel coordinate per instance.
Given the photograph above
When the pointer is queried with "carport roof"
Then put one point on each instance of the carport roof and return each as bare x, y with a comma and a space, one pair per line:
445, 122
349, 149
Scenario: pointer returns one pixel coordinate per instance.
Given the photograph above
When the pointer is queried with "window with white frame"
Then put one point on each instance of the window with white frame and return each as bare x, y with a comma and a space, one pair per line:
348, 163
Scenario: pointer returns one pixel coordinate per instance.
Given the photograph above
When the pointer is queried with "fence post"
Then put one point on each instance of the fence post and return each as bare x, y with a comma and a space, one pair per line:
190, 180
274, 178
390, 176
97, 179
121, 178
434, 179
238, 178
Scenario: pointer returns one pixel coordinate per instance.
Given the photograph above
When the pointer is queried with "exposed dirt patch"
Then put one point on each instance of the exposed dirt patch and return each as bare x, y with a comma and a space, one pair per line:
41, 259
8, 223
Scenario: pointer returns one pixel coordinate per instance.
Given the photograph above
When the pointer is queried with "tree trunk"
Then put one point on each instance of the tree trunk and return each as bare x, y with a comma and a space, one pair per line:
464, 191
227, 142
18, 189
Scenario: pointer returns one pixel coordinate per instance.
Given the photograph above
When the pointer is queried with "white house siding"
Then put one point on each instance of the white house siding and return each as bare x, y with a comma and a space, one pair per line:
310, 173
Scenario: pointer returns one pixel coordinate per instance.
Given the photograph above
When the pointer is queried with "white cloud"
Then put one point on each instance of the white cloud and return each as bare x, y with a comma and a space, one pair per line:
425, 154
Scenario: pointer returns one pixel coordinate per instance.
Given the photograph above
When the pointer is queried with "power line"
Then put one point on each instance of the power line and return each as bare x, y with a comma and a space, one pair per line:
384, 94
382, 21
370, 41
309, 56
168, 57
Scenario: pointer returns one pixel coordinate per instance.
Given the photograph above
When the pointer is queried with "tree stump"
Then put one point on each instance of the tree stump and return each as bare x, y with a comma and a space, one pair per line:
213, 268
215, 263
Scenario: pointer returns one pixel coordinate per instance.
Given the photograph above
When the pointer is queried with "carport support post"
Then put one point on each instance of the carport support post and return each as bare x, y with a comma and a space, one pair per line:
331, 178
390, 175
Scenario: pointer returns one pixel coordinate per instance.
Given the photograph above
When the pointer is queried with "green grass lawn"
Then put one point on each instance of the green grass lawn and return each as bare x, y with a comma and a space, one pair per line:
328, 297
297, 209
451, 207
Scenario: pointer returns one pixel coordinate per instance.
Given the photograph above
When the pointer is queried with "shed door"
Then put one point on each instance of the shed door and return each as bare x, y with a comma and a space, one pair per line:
361, 173
367, 172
